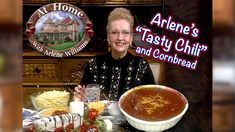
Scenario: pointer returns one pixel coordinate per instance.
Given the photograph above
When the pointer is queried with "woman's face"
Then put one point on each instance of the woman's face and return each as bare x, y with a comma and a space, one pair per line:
119, 36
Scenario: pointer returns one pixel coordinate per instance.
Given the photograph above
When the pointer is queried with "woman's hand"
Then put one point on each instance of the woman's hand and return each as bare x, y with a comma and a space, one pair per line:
79, 93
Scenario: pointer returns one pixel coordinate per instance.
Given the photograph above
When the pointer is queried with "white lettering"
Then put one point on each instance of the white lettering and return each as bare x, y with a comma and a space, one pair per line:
53, 53
144, 34
65, 8
179, 44
42, 12
57, 6
156, 19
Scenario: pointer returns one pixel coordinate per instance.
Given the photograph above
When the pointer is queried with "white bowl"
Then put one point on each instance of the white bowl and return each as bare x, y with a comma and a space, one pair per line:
152, 126
113, 109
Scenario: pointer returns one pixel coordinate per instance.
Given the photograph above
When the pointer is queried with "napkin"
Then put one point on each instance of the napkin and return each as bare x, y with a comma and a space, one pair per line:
29, 116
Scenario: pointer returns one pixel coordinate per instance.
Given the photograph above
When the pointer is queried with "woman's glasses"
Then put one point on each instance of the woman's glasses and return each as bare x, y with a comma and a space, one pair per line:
123, 33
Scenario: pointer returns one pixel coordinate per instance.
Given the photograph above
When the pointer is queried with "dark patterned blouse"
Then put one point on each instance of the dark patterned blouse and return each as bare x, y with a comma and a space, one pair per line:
117, 76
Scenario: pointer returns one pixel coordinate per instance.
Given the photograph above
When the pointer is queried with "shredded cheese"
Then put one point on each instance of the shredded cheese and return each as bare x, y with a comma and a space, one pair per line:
151, 103
52, 99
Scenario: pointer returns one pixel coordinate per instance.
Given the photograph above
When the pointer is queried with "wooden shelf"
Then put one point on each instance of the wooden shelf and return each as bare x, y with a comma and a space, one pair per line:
50, 84
35, 53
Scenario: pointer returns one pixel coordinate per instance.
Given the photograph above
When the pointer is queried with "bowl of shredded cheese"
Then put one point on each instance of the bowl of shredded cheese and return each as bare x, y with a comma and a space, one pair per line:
153, 108
50, 99
99, 106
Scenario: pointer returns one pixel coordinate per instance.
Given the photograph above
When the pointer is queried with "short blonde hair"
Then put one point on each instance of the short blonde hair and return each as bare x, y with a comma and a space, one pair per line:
120, 13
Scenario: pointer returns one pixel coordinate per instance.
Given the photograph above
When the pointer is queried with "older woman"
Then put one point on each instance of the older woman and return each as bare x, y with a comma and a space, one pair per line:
118, 70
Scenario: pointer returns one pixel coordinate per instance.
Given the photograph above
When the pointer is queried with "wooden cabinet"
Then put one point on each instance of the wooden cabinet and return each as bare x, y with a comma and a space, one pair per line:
72, 70
53, 70
39, 69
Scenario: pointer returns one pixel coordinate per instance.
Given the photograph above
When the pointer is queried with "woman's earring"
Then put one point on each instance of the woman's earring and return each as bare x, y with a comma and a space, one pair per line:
108, 43
109, 46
